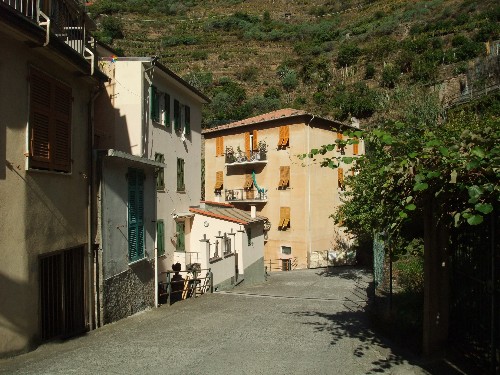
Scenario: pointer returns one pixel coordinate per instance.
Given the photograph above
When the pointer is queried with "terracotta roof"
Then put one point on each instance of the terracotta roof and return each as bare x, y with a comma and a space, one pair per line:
270, 116
225, 211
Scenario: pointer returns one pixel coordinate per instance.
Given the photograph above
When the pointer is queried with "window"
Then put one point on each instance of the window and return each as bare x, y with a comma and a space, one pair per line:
160, 238
180, 175
284, 218
284, 136
135, 214
286, 250
187, 120
50, 123
227, 245
219, 146
340, 178
177, 115
252, 142
219, 181
159, 172
284, 177
166, 110
180, 244
249, 236
154, 103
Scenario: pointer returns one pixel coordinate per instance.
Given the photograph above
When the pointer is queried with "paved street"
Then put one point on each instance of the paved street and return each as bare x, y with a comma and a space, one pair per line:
298, 322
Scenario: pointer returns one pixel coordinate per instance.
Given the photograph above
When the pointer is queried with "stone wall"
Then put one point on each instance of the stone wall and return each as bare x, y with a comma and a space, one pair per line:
129, 292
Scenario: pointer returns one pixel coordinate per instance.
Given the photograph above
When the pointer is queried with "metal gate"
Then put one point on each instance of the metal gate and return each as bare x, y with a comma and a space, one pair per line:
475, 292
62, 294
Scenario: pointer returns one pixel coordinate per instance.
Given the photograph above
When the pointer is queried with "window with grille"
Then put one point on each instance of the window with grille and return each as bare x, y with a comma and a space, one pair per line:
180, 175
49, 123
159, 172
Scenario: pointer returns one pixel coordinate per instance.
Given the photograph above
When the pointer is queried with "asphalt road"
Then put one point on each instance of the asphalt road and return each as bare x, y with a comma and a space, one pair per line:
308, 321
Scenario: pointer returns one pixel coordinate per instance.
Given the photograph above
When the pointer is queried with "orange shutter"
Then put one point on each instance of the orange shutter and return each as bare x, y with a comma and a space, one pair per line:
247, 144
248, 181
355, 147
217, 144
284, 217
339, 135
219, 180
340, 177
286, 135
284, 176
280, 139
255, 143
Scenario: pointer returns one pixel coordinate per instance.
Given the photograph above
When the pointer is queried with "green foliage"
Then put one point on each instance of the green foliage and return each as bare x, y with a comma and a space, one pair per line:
369, 71
169, 7
357, 100
409, 267
199, 55
390, 76
248, 74
348, 55
111, 29
272, 93
179, 40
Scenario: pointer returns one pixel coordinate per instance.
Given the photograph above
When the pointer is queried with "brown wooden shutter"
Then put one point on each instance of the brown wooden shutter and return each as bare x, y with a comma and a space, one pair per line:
247, 144
255, 143
219, 180
248, 181
284, 176
340, 172
62, 123
40, 113
286, 135
355, 147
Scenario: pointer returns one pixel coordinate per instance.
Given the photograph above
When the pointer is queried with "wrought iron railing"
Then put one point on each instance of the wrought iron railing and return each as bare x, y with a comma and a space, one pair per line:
64, 19
234, 195
254, 156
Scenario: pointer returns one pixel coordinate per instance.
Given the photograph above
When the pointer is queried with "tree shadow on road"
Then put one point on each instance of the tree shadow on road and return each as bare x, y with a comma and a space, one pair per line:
353, 323
344, 272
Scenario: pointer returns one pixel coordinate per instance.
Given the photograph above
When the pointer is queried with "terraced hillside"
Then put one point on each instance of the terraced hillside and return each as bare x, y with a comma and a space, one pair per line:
336, 58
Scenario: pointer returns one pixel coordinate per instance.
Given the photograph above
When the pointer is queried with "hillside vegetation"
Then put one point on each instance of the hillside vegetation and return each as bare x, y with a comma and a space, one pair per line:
330, 57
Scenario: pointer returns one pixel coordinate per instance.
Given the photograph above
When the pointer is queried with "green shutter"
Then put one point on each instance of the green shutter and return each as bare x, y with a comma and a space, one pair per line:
135, 214
187, 119
180, 174
154, 108
160, 237
177, 115
180, 245
249, 236
166, 113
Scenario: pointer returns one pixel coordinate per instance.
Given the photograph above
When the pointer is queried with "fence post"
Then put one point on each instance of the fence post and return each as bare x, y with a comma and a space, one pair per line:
195, 281
169, 288
211, 281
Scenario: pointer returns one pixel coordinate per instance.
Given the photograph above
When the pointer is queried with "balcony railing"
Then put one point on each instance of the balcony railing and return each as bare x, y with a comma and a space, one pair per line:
242, 158
63, 19
245, 195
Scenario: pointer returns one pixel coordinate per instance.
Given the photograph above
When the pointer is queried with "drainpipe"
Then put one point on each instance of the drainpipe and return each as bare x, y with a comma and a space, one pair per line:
309, 194
90, 209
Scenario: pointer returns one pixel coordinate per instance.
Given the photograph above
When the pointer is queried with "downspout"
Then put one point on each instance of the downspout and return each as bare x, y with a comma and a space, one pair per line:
309, 245
90, 209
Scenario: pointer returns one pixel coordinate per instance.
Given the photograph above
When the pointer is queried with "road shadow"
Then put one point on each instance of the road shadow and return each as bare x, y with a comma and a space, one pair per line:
343, 272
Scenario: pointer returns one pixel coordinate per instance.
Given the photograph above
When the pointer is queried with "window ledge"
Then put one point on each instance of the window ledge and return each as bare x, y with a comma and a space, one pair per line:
137, 261
47, 171
214, 259
227, 255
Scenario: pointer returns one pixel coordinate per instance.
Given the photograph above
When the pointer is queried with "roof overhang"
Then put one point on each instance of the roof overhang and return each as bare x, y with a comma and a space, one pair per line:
132, 158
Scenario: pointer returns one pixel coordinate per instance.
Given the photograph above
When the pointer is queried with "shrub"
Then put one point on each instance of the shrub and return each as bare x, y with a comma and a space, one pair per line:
272, 93
248, 74
348, 55
199, 55
369, 71
290, 80
179, 40
424, 71
201, 80
358, 100
390, 76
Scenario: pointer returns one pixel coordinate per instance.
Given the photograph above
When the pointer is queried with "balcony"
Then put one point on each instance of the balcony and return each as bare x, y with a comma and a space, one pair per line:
245, 195
241, 158
62, 19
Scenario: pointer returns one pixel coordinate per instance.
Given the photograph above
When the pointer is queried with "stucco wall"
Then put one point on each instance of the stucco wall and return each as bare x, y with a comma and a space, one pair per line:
42, 212
137, 290
312, 194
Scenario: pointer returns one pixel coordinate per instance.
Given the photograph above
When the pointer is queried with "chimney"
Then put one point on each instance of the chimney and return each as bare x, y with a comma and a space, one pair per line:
253, 211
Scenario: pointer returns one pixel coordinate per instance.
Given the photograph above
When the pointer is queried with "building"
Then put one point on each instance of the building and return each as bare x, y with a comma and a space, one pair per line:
148, 126
231, 243
48, 79
255, 163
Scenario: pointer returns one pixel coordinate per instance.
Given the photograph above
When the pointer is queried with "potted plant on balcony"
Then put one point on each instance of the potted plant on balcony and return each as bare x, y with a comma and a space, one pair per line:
262, 146
230, 158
